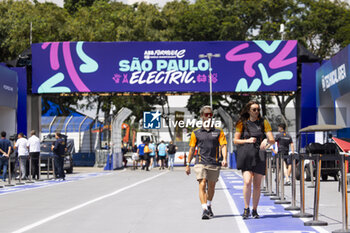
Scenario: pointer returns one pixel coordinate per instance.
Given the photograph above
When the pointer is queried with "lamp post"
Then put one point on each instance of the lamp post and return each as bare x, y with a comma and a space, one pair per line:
282, 31
209, 56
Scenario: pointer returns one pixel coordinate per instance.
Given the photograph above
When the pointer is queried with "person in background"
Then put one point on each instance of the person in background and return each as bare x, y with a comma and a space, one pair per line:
161, 154
152, 154
5, 151
134, 157
284, 140
146, 152
59, 149
124, 151
34, 153
250, 136
172, 148
21, 145
141, 153
207, 167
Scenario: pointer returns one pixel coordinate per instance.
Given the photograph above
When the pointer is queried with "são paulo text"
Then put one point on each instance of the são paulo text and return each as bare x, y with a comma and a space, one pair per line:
172, 64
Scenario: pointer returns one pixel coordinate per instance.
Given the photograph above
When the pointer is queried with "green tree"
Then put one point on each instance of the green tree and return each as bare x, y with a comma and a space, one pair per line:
321, 26
16, 17
73, 5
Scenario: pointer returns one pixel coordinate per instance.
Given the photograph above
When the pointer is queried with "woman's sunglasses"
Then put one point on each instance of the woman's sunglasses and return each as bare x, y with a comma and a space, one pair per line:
208, 114
256, 109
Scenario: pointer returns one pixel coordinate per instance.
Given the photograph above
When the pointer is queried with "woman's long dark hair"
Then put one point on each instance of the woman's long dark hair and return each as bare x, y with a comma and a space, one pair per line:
244, 115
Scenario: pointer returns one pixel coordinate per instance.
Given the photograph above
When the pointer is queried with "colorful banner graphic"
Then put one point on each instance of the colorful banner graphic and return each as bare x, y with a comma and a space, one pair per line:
244, 66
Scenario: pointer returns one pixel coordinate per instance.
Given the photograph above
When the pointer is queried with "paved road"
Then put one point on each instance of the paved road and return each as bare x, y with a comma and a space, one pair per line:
145, 202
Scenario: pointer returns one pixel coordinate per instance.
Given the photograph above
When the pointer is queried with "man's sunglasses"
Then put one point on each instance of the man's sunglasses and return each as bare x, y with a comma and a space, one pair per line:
256, 109
208, 114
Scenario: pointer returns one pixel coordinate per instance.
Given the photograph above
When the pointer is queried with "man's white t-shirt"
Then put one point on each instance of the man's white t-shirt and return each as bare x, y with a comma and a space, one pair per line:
21, 146
34, 144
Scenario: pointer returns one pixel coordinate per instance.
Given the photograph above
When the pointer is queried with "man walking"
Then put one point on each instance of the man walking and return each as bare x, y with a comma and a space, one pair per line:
141, 153
209, 140
34, 153
5, 150
171, 155
161, 154
283, 140
59, 148
21, 146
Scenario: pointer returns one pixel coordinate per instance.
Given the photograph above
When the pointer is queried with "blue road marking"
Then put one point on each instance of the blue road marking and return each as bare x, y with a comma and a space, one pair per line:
273, 217
47, 183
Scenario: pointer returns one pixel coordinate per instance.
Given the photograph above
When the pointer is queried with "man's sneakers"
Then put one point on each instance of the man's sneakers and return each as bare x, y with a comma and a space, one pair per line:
255, 214
206, 214
246, 214
211, 214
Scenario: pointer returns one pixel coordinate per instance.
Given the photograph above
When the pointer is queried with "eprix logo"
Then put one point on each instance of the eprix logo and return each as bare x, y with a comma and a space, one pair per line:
149, 54
151, 120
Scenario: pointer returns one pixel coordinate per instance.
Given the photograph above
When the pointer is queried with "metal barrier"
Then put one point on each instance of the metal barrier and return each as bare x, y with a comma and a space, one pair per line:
293, 187
264, 188
277, 180
315, 221
343, 158
302, 213
101, 158
30, 171
312, 185
282, 198
39, 167
9, 170
20, 172
269, 174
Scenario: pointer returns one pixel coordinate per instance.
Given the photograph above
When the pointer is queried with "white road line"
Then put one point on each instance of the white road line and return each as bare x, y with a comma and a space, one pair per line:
241, 225
46, 185
45, 220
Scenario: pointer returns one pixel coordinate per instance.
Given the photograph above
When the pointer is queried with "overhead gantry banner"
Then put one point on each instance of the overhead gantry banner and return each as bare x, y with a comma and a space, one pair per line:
243, 66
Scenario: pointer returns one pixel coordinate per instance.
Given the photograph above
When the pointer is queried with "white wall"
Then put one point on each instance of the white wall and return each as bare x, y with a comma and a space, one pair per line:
8, 120
342, 105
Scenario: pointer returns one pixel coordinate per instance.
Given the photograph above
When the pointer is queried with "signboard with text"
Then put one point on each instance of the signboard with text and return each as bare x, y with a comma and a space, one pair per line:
333, 78
243, 66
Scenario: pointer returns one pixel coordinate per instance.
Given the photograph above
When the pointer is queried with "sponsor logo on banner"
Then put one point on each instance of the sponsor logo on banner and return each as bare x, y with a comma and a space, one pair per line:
333, 77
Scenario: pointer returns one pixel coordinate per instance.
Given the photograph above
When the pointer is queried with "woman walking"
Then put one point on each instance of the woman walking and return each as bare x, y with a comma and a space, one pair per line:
253, 135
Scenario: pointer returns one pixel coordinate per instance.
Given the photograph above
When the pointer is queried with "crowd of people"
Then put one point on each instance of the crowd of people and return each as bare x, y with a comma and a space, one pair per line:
148, 155
23, 156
